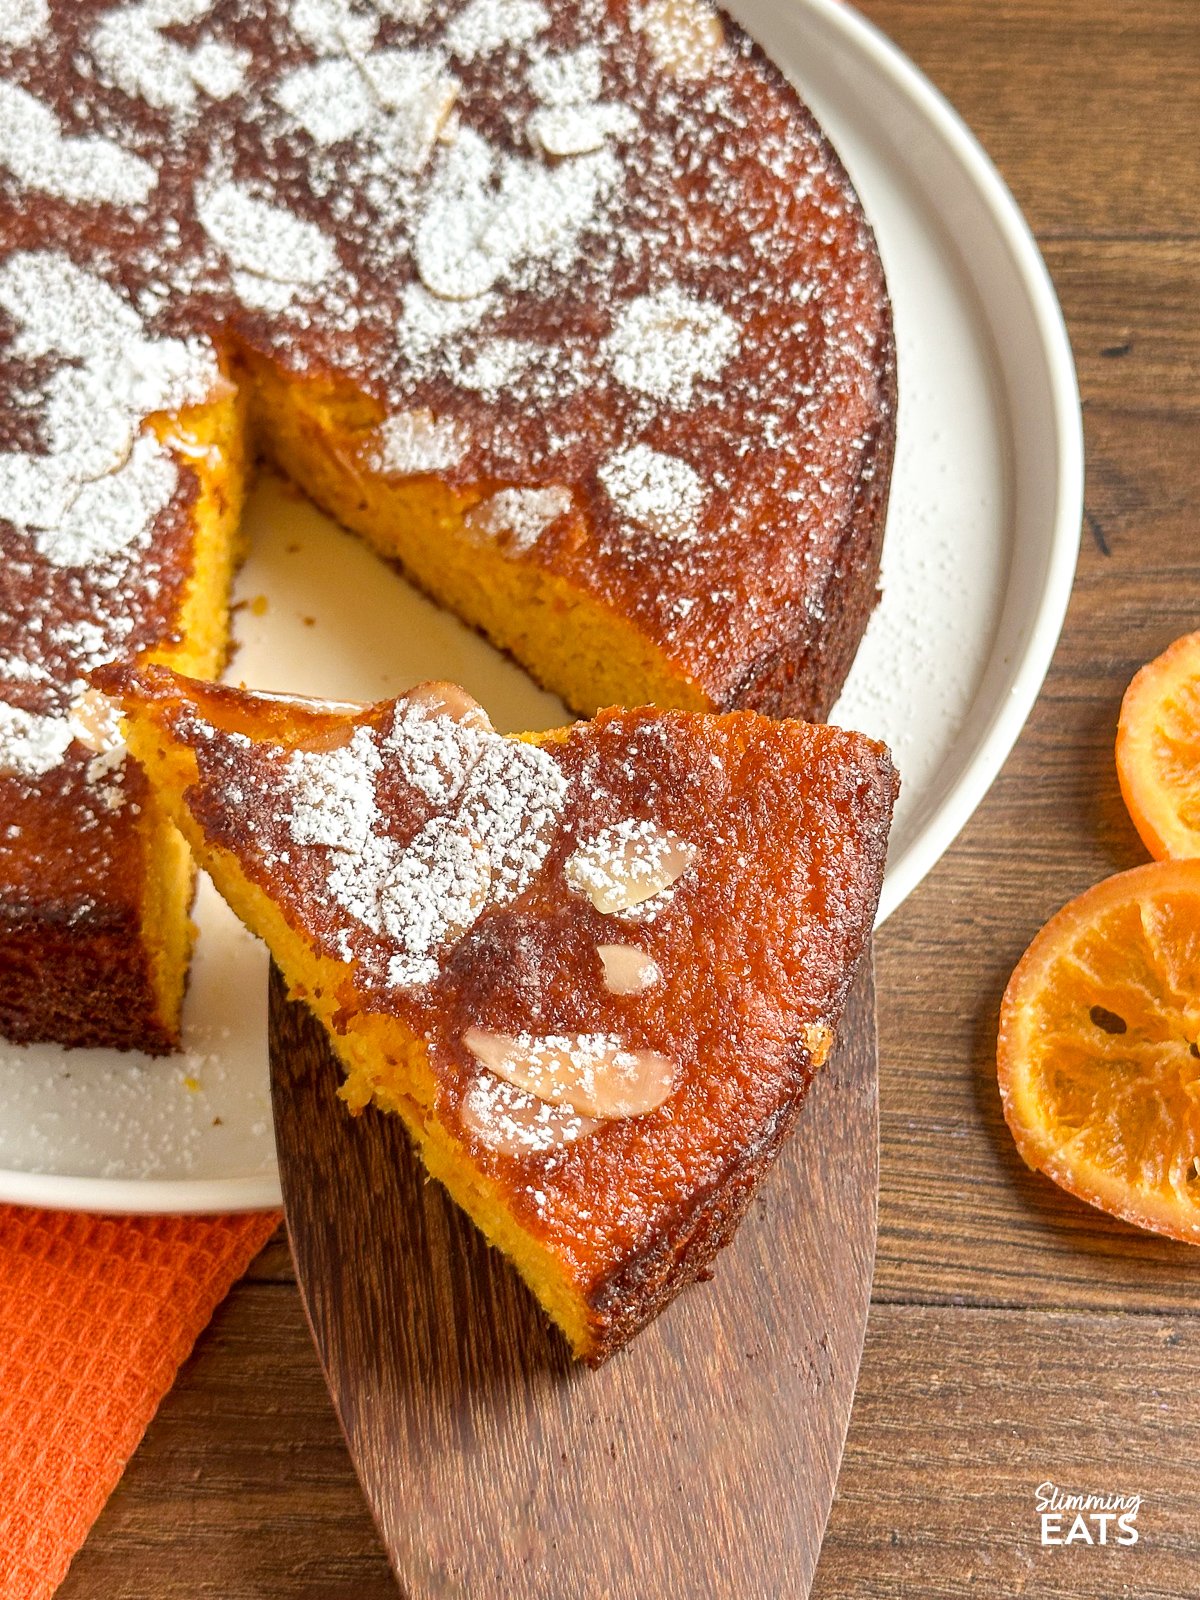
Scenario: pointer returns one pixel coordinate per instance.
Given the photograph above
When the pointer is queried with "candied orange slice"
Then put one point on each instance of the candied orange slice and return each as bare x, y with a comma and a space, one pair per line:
1098, 1062
1158, 751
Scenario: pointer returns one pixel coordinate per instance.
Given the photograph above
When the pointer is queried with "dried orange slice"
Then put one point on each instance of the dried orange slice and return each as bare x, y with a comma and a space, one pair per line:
1098, 1062
1158, 751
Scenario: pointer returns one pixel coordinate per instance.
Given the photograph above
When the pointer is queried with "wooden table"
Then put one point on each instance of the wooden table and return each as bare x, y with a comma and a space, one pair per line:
1015, 1336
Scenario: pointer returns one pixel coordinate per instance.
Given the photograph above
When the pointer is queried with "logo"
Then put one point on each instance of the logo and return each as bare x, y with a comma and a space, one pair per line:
1068, 1518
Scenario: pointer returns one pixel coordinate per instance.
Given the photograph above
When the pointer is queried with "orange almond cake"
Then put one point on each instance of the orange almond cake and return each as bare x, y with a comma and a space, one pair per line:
593, 970
565, 304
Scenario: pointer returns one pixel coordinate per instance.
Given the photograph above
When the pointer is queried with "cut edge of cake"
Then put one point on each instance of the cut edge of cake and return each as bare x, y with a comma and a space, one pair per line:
212, 441
319, 436
98, 973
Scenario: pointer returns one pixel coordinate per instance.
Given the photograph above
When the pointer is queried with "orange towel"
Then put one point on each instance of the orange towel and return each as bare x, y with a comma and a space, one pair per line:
96, 1316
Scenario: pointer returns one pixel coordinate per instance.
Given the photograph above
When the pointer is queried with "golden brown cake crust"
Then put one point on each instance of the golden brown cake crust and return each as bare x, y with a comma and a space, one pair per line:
615, 292
784, 830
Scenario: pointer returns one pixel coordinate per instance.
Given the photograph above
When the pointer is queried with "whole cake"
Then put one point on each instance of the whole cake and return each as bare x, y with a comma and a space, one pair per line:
566, 304
593, 970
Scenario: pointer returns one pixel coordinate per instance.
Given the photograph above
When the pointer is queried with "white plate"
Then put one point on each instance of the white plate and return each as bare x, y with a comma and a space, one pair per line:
982, 538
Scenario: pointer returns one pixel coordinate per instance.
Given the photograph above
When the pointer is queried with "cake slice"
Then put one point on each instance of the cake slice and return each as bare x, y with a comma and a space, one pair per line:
593, 970
95, 882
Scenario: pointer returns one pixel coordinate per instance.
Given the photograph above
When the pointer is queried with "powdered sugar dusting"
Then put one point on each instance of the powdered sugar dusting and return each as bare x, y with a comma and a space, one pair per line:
267, 244
515, 1124
570, 79
330, 99
30, 745
332, 794
486, 212
576, 130
433, 751
23, 21
333, 26
628, 864
383, 186
520, 516
481, 212
485, 26
104, 517
429, 323
94, 492
398, 99
686, 37
105, 778
130, 47
422, 898
495, 806
412, 442
662, 343
657, 492
596, 1074
86, 496
511, 800
91, 170
496, 363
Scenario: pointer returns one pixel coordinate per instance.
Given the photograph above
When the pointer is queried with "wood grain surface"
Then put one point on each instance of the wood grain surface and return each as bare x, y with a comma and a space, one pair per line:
644, 1477
1016, 1335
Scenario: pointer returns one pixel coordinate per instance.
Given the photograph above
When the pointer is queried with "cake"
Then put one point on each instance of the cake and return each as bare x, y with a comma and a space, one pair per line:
566, 305
593, 970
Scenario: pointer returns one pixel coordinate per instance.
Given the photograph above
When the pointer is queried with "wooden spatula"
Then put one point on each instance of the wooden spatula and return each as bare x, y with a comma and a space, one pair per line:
698, 1463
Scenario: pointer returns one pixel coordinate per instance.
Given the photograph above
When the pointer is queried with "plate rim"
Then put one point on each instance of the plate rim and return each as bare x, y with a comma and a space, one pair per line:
957, 807
261, 1192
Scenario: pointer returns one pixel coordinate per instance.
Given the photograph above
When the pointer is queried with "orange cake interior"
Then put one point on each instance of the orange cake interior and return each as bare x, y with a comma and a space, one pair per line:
593, 970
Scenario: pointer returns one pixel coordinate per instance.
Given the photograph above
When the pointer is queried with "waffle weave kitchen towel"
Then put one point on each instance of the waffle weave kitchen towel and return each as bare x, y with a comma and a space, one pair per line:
96, 1316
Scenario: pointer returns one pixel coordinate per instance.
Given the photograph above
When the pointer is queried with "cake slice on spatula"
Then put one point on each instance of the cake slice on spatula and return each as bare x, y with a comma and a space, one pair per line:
593, 970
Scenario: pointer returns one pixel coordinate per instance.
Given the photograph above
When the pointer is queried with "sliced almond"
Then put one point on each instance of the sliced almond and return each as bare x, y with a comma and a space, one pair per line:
578, 130
593, 1073
444, 699
96, 721
310, 702
335, 731
522, 515
412, 443
516, 1124
181, 439
431, 894
470, 885
628, 970
623, 866
419, 109
686, 37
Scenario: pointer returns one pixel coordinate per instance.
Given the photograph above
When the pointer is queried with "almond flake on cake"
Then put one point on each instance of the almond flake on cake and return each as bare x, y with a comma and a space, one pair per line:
23, 21
657, 492
132, 50
662, 343
522, 515
90, 170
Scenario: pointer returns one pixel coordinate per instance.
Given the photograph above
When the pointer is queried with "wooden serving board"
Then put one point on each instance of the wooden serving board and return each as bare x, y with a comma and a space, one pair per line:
699, 1463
